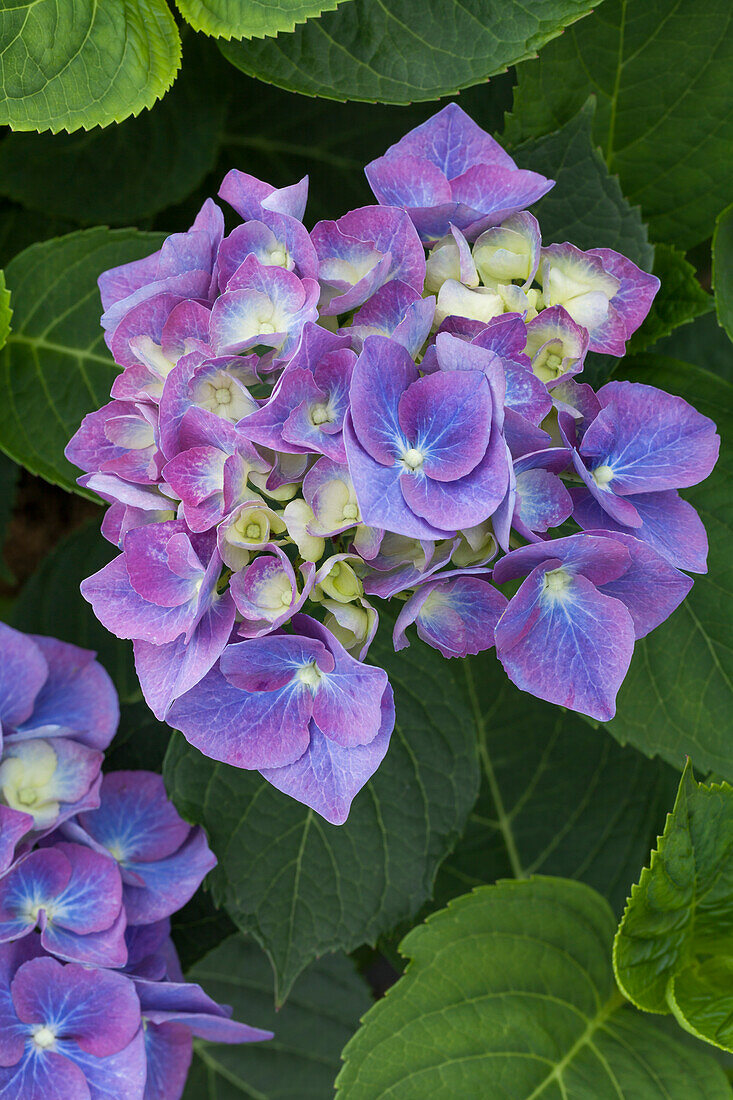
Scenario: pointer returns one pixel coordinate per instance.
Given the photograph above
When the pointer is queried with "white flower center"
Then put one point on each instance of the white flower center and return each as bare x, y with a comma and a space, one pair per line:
557, 582
602, 475
310, 675
43, 1036
413, 459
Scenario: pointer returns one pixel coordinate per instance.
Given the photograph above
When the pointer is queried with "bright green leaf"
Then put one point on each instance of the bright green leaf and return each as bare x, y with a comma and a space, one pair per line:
676, 698
73, 64
6, 311
50, 603
509, 994
586, 205
701, 999
302, 1061
562, 799
723, 269
303, 887
55, 367
395, 51
679, 301
663, 76
680, 913
251, 18
123, 173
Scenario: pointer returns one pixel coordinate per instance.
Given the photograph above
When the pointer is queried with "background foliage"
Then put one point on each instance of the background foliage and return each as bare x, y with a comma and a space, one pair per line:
631, 111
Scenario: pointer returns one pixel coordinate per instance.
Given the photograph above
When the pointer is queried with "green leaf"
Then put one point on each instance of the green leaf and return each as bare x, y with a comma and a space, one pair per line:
509, 994
395, 52
703, 343
123, 173
50, 603
20, 227
680, 917
8, 486
676, 698
280, 137
701, 998
586, 205
200, 927
562, 799
679, 301
6, 312
251, 18
303, 887
73, 64
55, 367
663, 76
723, 269
302, 1060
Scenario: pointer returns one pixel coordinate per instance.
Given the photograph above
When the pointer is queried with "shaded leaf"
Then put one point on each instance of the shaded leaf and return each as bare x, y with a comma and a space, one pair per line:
303, 887
586, 206
251, 18
676, 698
120, 174
20, 227
200, 927
395, 52
509, 994
679, 301
560, 799
674, 947
723, 269
55, 367
302, 1060
73, 64
50, 603
8, 486
703, 343
663, 76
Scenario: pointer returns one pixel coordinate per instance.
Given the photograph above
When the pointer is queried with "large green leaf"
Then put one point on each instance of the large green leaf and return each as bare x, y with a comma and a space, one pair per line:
674, 947
123, 173
723, 269
586, 206
679, 300
561, 799
703, 343
676, 699
509, 994
55, 367
251, 18
662, 71
73, 64
6, 312
303, 887
395, 51
50, 603
302, 1060
8, 485
280, 137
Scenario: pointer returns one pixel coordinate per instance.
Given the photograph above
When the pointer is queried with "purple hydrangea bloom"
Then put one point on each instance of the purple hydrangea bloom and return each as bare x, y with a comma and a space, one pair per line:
361, 252
74, 896
424, 456
448, 171
568, 633
67, 1032
162, 859
299, 709
455, 613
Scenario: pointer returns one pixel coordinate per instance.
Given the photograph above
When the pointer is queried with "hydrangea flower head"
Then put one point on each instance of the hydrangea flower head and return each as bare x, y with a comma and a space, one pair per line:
389, 406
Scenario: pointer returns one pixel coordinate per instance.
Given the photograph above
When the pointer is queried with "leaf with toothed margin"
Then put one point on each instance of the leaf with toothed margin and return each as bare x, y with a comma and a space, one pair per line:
673, 950
586, 206
509, 994
229, 19
394, 52
676, 698
75, 64
55, 367
723, 269
302, 1061
561, 799
662, 74
303, 887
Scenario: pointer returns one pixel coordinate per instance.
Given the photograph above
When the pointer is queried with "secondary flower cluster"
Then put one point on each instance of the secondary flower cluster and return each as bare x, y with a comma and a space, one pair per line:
92, 999
384, 407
